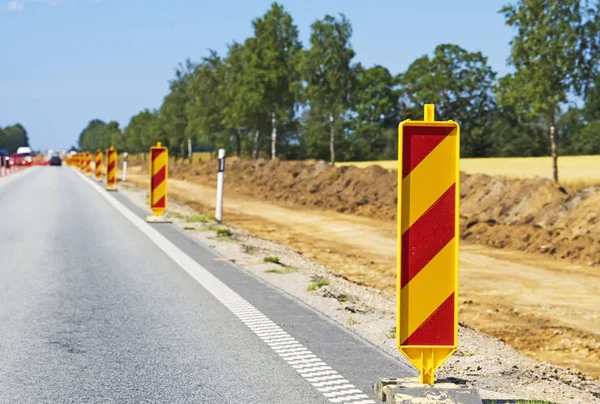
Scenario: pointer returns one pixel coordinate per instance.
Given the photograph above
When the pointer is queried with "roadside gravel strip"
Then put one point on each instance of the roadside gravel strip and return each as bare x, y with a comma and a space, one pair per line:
336, 363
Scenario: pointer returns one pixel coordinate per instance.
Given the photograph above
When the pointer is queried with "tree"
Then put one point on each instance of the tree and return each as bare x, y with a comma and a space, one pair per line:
172, 114
375, 111
235, 109
460, 84
99, 135
271, 66
555, 53
89, 138
517, 130
205, 109
587, 140
13, 137
329, 75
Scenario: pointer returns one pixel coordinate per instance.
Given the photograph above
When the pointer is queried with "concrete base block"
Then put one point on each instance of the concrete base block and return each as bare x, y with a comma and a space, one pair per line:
410, 391
157, 219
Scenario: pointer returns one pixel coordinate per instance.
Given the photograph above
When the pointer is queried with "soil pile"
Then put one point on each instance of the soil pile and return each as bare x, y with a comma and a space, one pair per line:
370, 192
534, 215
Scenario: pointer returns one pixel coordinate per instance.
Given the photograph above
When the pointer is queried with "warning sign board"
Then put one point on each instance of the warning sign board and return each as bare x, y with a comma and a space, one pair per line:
427, 280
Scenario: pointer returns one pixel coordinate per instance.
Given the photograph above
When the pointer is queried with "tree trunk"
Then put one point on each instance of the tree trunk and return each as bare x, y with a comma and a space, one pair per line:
332, 138
256, 144
273, 136
554, 149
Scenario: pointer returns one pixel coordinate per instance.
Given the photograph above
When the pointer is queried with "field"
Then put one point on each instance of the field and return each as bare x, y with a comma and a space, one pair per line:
576, 171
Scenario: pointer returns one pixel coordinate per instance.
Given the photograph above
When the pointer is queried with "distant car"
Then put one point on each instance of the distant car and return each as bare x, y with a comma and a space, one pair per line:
24, 150
23, 157
55, 160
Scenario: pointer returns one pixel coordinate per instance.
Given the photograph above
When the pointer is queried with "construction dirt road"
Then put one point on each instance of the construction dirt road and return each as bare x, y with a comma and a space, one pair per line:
545, 307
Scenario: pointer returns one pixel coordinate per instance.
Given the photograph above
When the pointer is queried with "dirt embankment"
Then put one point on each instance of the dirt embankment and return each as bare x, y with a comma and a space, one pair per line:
532, 306
369, 192
532, 215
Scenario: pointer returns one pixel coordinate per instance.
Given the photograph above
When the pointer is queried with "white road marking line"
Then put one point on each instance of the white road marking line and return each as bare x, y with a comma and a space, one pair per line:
334, 388
347, 399
330, 383
341, 393
291, 350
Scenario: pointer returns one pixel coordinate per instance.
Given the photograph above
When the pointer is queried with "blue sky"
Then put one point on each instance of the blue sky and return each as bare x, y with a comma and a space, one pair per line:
65, 62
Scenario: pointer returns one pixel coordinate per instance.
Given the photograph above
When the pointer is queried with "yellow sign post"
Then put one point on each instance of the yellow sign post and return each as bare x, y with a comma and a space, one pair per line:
111, 169
427, 281
98, 165
159, 160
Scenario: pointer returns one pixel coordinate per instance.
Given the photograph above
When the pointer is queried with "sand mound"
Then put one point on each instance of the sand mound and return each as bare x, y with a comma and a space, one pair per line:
367, 192
534, 215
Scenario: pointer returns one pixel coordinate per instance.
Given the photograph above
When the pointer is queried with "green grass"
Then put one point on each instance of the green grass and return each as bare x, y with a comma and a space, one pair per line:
316, 285
272, 260
391, 334
352, 321
212, 227
175, 215
224, 233
281, 271
189, 228
342, 298
200, 218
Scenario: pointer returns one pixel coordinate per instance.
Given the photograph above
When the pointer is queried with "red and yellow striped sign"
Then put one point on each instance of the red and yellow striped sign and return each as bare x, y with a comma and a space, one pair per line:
98, 167
428, 178
159, 158
88, 164
111, 169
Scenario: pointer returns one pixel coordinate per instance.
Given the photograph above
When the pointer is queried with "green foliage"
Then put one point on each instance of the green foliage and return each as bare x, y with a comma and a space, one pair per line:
372, 128
317, 284
13, 137
587, 141
224, 233
320, 104
272, 260
555, 53
460, 84
200, 218
330, 81
101, 135
143, 132
173, 115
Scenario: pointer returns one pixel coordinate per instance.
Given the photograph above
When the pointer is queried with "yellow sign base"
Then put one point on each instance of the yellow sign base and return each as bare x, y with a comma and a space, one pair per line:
427, 360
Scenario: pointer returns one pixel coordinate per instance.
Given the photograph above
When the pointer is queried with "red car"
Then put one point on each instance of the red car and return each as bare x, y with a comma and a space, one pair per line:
22, 157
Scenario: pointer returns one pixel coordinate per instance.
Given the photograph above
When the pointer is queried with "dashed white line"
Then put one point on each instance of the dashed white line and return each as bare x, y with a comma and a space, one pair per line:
290, 350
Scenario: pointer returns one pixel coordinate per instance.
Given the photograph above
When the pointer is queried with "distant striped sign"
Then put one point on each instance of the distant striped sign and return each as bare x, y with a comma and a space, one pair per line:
88, 164
428, 178
111, 169
98, 168
159, 157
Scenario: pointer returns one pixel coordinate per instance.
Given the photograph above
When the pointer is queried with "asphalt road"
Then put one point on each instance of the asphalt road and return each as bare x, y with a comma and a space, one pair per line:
95, 309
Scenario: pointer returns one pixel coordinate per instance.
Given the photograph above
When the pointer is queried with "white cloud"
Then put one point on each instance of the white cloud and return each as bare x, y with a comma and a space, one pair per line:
14, 5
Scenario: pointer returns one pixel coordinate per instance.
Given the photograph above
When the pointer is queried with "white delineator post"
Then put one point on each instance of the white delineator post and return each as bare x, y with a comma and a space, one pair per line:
220, 179
124, 166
